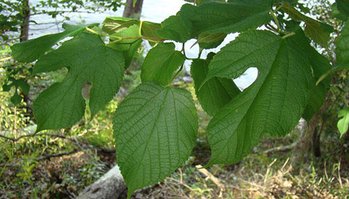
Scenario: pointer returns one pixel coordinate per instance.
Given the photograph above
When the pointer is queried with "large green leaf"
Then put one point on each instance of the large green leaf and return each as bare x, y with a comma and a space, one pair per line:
89, 62
272, 105
155, 130
216, 92
161, 64
320, 66
230, 17
316, 30
215, 17
342, 47
31, 50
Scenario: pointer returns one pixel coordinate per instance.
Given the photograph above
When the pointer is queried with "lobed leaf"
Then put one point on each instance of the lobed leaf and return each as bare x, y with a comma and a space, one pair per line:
89, 62
155, 130
272, 105
24, 52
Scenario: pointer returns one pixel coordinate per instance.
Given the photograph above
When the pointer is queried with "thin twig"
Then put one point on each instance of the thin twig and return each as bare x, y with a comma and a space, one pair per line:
282, 148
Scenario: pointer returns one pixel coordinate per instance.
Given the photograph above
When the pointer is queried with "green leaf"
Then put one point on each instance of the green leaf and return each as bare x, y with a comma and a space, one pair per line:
215, 17
336, 13
127, 40
112, 25
176, 28
199, 2
24, 52
161, 64
216, 92
342, 47
272, 105
23, 85
155, 131
236, 16
89, 62
7, 87
343, 123
343, 6
16, 98
315, 30
149, 31
207, 40
320, 65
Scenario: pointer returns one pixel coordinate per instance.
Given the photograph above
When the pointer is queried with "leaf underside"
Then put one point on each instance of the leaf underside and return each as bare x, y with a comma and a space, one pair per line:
155, 130
272, 105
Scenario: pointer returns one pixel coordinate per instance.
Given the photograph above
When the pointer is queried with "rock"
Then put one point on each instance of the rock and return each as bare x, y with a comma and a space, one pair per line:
109, 186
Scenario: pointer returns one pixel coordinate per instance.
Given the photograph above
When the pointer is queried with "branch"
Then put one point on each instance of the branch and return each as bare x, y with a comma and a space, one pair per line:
18, 138
282, 148
49, 156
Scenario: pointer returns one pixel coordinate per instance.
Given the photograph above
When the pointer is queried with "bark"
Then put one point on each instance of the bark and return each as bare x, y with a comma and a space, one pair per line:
109, 186
133, 10
24, 36
25, 13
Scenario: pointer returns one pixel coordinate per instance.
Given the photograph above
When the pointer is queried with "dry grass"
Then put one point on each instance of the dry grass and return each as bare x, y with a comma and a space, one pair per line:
273, 181
259, 175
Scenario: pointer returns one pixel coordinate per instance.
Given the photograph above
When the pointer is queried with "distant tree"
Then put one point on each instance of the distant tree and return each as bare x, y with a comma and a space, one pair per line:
15, 15
133, 9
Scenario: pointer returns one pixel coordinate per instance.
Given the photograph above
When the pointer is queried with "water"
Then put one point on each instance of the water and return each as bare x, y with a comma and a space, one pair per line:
153, 10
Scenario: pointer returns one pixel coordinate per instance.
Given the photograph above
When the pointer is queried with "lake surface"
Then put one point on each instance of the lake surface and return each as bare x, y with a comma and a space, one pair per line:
153, 10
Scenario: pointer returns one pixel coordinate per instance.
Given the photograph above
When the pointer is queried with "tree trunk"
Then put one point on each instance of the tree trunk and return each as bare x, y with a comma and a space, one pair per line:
24, 36
133, 10
309, 141
25, 13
